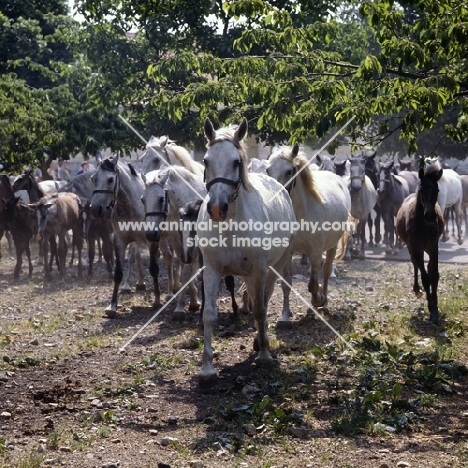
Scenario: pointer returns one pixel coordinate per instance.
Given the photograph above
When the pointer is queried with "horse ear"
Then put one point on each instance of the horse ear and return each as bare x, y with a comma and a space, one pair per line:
210, 133
132, 170
163, 141
318, 159
143, 176
295, 150
162, 181
241, 130
182, 211
421, 173
439, 174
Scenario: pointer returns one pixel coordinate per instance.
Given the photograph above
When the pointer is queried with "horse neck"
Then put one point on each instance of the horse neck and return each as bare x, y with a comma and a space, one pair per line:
299, 195
34, 191
128, 197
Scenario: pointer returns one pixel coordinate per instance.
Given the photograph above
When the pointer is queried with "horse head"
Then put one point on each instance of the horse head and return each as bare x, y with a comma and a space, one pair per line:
106, 187
357, 172
225, 167
189, 214
385, 174
156, 202
281, 166
429, 190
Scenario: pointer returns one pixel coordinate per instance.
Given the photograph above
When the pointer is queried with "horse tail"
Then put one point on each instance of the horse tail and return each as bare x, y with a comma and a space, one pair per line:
344, 238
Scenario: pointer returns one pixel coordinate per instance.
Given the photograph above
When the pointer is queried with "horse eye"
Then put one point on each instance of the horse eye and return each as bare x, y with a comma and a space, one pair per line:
205, 162
110, 180
289, 173
236, 163
161, 199
142, 200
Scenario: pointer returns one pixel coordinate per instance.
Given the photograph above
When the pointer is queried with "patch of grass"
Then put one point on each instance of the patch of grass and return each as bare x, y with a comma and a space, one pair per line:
386, 378
161, 363
30, 460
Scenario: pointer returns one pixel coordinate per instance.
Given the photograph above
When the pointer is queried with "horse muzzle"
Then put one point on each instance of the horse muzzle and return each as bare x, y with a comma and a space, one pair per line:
217, 209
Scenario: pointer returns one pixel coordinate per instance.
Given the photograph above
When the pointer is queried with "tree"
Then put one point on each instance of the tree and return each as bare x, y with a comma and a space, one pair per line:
295, 69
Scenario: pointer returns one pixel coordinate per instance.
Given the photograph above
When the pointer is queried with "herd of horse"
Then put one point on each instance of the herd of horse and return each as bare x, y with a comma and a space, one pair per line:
124, 208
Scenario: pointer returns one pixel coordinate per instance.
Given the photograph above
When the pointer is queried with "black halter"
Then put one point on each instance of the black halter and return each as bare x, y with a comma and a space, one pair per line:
232, 183
165, 208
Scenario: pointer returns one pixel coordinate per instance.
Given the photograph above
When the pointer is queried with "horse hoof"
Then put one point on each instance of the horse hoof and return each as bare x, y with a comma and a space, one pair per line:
460, 241
434, 318
179, 316
125, 290
157, 305
319, 300
169, 296
207, 379
266, 362
323, 310
140, 287
194, 307
110, 313
244, 311
283, 325
418, 294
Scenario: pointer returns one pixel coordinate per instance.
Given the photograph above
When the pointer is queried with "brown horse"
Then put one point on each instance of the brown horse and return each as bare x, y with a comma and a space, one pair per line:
420, 223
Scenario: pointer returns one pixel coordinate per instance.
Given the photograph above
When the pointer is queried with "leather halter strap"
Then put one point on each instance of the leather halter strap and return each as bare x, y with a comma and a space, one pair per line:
222, 180
103, 191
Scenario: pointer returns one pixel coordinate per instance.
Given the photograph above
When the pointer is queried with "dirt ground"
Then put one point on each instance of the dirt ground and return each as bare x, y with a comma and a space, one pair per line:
69, 398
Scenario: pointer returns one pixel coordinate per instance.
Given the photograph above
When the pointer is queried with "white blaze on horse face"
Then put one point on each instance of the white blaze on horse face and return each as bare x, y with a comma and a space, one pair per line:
221, 161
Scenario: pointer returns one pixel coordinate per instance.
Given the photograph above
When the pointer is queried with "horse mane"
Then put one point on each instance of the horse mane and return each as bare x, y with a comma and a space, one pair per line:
183, 156
299, 161
228, 134
306, 174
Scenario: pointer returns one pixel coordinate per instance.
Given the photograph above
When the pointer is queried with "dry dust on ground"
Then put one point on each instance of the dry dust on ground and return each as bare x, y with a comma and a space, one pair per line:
69, 398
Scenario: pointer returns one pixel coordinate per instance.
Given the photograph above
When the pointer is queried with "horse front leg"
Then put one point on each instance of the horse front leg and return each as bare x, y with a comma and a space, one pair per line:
211, 279
62, 256
19, 261
78, 242
458, 215
168, 259
45, 253
362, 238
140, 286
154, 271
327, 270
258, 294
119, 247
370, 224
285, 321
318, 299
378, 217
28, 255
433, 271
91, 253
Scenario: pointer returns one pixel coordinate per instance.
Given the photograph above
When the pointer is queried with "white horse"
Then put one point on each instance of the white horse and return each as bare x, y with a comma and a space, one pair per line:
167, 191
173, 154
238, 199
319, 197
363, 198
451, 195
117, 197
